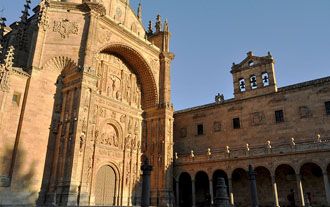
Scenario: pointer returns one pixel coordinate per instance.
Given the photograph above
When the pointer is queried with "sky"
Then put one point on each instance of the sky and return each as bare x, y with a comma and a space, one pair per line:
209, 35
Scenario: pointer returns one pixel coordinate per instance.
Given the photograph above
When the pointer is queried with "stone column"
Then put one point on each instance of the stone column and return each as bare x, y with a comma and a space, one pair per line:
146, 169
253, 187
211, 191
193, 193
231, 194
326, 186
177, 193
275, 191
300, 190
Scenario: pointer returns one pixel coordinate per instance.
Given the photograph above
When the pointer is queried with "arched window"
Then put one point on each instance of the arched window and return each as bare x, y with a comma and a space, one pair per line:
241, 83
265, 79
253, 81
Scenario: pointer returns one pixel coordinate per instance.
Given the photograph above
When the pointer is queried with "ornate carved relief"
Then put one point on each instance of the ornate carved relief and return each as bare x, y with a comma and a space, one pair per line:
66, 28
257, 118
43, 19
304, 112
117, 81
60, 63
109, 136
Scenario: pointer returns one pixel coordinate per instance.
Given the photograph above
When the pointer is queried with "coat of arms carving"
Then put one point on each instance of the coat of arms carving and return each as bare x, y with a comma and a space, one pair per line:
65, 28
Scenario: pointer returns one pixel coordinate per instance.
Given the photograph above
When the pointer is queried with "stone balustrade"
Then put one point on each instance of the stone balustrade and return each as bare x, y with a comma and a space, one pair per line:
252, 151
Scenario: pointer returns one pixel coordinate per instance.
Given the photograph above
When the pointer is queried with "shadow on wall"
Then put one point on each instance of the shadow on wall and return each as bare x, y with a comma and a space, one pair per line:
20, 191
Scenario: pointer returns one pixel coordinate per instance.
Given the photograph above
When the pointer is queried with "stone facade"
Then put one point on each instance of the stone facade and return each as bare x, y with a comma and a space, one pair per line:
282, 132
85, 97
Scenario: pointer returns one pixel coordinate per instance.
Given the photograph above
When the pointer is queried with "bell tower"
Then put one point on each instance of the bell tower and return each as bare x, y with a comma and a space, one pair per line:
254, 76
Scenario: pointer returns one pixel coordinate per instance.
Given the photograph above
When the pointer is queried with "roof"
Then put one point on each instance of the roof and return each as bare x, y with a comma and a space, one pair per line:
280, 90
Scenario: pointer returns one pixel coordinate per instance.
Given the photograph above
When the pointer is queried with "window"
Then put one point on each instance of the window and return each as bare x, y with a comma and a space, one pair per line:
216, 126
265, 79
253, 81
327, 107
279, 116
200, 129
242, 85
251, 63
236, 123
16, 98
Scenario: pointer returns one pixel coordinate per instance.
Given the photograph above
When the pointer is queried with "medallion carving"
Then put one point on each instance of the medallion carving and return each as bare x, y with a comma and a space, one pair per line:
66, 28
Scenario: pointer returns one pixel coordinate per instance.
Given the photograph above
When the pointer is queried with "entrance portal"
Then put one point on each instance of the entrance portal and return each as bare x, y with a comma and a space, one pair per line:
105, 191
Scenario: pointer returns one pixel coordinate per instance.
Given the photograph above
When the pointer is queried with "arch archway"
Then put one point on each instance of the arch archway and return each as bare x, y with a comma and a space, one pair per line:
106, 182
202, 189
219, 174
264, 186
241, 189
285, 177
313, 185
185, 190
141, 69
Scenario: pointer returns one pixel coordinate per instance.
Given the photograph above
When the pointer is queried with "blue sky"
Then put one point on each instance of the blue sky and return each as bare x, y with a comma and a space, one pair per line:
208, 36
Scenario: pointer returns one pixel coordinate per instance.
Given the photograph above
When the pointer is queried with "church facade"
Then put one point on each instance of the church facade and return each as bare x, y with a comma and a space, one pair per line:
85, 97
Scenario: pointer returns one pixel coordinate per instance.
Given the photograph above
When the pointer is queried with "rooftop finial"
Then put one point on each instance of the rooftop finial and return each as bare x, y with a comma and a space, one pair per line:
249, 54
2, 28
25, 12
150, 28
158, 23
166, 26
139, 12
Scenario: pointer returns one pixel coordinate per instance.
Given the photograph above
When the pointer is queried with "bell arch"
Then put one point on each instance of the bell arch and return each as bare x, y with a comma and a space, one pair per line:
140, 67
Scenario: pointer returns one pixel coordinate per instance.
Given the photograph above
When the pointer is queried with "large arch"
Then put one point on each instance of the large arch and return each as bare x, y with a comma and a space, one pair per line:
219, 174
185, 190
285, 177
264, 186
202, 193
241, 189
142, 69
313, 185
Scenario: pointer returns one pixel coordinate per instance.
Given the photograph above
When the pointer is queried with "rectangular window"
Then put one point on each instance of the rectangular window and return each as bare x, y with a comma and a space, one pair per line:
279, 117
327, 107
16, 98
236, 123
200, 129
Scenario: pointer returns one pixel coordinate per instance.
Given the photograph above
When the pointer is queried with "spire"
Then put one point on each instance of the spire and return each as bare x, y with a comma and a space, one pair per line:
2, 28
139, 12
25, 12
165, 26
158, 23
150, 28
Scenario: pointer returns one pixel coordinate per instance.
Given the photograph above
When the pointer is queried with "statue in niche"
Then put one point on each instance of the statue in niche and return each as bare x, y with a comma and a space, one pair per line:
127, 141
109, 136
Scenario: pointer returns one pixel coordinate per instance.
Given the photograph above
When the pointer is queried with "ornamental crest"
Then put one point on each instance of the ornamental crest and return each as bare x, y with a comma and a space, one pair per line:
65, 28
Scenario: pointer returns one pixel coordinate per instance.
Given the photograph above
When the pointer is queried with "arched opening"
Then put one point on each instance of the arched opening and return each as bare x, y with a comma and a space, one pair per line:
141, 69
264, 186
105, 191
313, 185
241, 188
203, 197
219, 174
285, 177
185, 191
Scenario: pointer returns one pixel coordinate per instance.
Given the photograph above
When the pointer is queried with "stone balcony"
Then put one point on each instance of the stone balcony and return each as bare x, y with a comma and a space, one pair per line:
254, 151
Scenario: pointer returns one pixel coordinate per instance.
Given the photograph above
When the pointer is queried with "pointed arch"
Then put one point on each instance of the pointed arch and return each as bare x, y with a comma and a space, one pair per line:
140, 67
